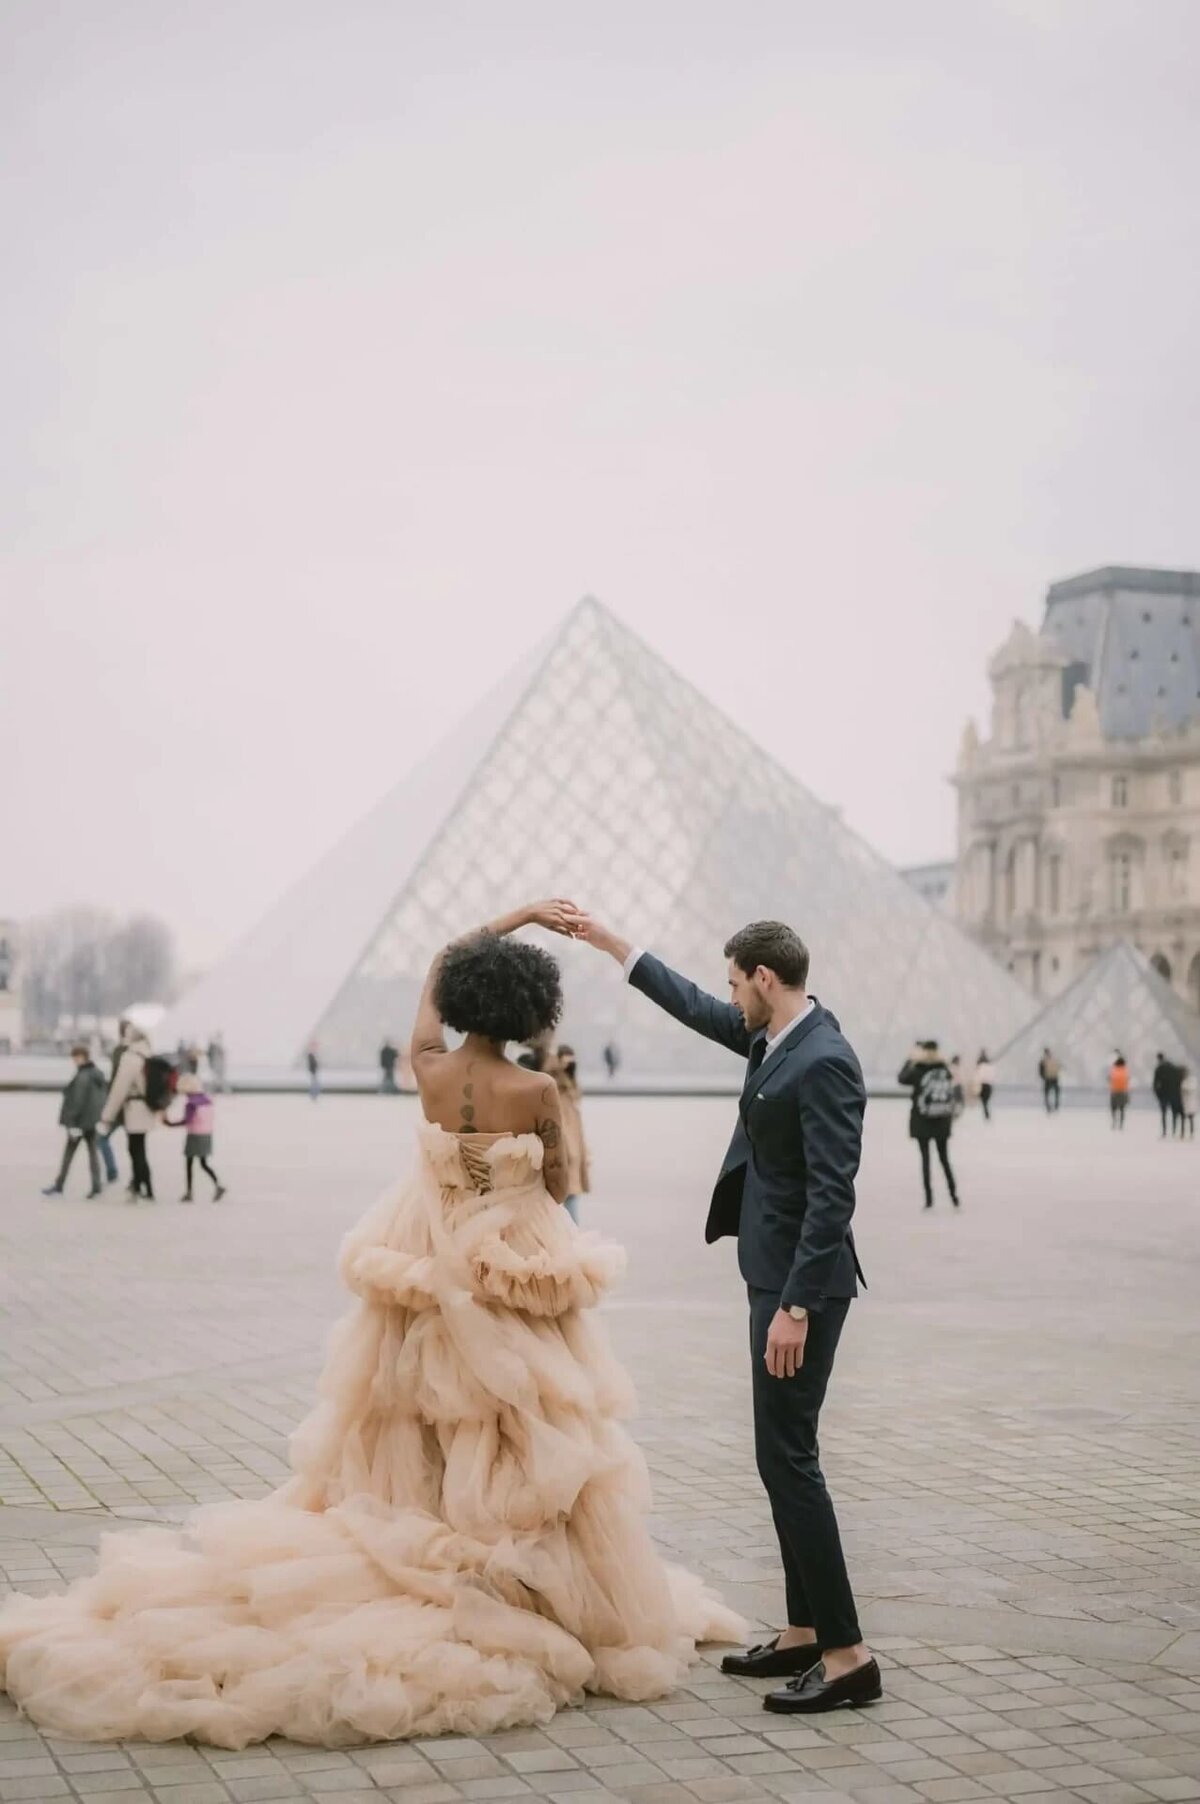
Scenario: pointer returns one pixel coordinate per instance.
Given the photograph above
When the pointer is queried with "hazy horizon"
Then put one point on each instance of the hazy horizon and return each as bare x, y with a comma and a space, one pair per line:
349, 346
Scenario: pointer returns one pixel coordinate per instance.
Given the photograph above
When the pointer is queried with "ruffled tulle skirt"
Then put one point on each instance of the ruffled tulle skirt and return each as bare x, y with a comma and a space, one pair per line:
463, 1544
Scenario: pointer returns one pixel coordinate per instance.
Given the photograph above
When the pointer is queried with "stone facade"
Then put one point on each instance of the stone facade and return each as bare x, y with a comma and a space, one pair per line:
1079, 814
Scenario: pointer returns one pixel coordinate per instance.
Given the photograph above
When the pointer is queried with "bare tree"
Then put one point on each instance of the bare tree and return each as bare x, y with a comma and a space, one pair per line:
140, 963
82, 961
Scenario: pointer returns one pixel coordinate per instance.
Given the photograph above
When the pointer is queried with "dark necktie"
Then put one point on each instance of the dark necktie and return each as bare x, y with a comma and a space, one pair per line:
758, 1053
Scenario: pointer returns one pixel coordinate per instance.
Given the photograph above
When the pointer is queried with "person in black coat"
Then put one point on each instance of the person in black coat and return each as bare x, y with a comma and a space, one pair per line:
931, 1112
1167, 1084
786, 1190
82, 1104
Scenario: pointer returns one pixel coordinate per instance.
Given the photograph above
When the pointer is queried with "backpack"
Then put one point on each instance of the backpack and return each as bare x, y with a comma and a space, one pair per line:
935, 1094
158, 1083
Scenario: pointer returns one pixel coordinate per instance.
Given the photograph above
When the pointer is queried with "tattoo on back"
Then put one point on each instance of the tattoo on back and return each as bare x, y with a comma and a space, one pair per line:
468, 1106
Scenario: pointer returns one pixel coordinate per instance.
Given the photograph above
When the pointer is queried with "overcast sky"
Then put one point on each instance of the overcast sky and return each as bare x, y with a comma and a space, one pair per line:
348, 342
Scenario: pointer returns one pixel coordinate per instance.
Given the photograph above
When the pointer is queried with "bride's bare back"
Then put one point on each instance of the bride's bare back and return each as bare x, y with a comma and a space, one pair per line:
472, 1092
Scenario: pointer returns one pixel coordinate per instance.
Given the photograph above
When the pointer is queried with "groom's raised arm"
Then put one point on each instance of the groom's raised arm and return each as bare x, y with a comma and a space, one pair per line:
685, 1001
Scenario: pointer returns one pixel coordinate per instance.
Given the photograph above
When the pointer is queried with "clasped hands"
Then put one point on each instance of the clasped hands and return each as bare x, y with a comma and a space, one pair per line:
559, 916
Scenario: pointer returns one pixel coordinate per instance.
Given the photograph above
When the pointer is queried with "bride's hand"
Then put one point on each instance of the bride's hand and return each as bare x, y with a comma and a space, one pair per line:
559, 916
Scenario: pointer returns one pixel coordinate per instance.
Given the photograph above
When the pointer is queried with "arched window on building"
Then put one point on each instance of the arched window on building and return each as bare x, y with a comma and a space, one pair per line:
1053, 891
1120, 792
1120, 882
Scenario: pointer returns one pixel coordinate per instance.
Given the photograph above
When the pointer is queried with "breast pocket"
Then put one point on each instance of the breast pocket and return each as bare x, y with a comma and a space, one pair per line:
773, 1123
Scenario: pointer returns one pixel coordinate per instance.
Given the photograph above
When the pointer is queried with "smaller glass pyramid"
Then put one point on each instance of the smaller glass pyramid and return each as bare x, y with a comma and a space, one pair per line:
1119, 1004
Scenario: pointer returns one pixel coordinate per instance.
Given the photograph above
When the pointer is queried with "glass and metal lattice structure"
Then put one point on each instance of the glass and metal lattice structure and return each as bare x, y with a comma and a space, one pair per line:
654, 811
1119, 1004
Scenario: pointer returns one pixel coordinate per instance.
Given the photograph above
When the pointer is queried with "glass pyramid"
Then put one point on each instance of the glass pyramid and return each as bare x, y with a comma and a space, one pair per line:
596, 771
1119, 1004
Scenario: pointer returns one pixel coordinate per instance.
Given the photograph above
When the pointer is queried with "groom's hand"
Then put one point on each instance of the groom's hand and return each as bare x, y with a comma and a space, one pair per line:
605, 940
785, 1345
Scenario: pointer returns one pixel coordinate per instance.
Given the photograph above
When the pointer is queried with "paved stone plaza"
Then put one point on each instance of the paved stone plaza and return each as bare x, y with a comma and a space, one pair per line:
1011, 1438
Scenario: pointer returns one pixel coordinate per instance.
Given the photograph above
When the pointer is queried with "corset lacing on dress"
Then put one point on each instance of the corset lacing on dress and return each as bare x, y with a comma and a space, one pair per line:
477, 1166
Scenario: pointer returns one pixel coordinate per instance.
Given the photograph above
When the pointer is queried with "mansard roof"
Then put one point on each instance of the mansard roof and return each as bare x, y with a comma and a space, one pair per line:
1133, 637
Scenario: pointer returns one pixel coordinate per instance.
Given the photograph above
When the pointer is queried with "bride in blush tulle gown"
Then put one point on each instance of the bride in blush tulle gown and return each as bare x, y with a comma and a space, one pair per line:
462, 1546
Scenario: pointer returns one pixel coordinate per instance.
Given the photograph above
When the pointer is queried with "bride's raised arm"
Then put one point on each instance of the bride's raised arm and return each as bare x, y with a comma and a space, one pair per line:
429, 1033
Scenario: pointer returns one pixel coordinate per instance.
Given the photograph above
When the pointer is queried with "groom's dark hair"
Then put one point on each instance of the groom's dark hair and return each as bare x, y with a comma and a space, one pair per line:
774, 945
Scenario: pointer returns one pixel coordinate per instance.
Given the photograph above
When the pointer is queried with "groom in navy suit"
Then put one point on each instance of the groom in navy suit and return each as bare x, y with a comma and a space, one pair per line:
786, 1189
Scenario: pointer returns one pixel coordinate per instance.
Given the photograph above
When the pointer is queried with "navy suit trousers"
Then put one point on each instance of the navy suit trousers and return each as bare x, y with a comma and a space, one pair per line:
785, 1444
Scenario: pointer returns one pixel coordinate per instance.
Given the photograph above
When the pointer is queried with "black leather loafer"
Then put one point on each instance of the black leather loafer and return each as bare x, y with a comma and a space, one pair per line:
813, 1693
770, 1661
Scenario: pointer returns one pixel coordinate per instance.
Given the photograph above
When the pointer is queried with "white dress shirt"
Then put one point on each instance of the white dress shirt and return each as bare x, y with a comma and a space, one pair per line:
791, 1027
638, 952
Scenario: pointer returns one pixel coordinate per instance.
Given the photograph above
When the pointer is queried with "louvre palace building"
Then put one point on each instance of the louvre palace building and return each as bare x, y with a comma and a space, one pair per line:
1079, 813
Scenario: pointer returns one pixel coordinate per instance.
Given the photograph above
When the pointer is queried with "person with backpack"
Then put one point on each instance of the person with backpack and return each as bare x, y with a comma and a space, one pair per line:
142, 1091
926, 1073
82, 1104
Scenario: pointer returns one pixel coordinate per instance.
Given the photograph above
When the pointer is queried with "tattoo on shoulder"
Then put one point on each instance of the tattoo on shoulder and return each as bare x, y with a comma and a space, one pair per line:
467, 1107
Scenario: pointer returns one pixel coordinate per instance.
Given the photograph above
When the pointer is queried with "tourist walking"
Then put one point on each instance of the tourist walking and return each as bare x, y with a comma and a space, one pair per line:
984, 1083
313, 1065
1166, 1084
1118, 1092
786, 1189
559, 1062
931, 1112
579, 1181
199, 1123
104, 1138
1187, 1099
463, 1545
1050, 1072
139, 1094
388, 1056
960, 1088
80, 1111
612, 1059
217, 1063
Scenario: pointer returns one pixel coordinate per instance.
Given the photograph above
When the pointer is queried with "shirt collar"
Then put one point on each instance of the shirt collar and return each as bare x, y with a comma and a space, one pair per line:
790, 1028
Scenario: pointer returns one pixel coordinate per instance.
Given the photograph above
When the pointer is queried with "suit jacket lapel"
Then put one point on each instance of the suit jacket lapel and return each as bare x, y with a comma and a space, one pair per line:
773, 1060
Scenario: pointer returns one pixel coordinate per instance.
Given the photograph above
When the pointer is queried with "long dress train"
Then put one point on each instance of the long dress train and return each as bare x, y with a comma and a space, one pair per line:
462, 1546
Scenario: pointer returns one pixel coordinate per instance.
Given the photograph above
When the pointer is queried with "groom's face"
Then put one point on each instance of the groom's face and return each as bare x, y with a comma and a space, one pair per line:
748, 993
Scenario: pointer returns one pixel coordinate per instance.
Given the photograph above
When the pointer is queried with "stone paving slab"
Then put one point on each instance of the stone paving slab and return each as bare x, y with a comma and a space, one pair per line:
1011, 1438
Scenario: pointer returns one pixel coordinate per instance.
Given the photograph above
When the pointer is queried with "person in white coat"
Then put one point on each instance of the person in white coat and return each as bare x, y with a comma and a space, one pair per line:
127, 1100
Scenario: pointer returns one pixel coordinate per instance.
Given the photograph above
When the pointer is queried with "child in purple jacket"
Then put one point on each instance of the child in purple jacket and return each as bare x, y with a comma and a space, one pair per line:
199, 1116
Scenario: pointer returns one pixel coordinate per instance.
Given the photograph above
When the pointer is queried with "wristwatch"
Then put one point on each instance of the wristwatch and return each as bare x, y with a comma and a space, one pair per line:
797, 1314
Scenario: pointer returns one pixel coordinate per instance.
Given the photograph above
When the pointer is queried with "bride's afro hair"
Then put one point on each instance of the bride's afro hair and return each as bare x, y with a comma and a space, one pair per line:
498, 987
